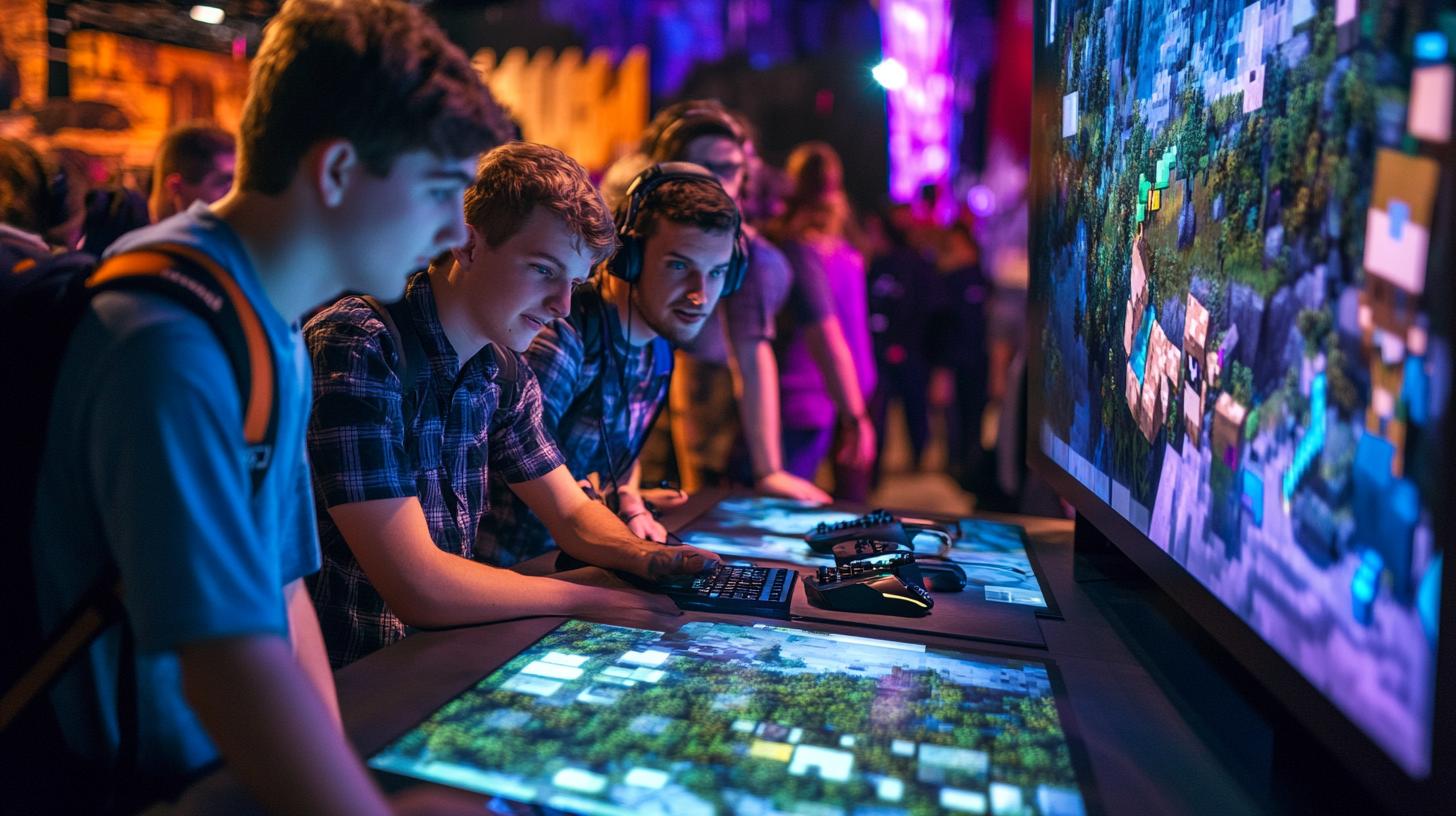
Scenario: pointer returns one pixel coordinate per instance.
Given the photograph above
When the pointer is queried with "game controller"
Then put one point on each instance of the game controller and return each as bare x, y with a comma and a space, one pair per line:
876, 525
879, 593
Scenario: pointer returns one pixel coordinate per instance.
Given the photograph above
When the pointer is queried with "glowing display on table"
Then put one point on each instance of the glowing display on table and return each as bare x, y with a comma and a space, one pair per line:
718, 718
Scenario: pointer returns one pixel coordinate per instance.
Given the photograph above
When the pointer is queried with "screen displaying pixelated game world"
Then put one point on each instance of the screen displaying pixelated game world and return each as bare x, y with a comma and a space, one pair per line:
993, 554
1234, 256
720, 718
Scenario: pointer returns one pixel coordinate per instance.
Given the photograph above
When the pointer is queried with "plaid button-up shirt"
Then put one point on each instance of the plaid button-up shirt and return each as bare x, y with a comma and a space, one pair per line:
438, 441
587, 371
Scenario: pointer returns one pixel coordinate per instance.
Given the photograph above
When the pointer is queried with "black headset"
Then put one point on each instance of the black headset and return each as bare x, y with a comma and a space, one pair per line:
627, 262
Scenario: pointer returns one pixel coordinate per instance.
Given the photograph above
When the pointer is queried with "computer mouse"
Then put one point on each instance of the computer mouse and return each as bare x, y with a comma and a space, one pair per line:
884, 594
942, 576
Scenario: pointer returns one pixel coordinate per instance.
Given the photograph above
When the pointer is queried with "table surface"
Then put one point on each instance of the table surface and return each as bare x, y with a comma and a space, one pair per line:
1144, 756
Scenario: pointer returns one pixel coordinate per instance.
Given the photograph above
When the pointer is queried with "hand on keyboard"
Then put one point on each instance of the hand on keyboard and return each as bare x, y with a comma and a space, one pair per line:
665, 561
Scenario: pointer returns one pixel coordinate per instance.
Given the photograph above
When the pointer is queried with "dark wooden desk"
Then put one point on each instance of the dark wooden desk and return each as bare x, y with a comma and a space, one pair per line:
1145, 757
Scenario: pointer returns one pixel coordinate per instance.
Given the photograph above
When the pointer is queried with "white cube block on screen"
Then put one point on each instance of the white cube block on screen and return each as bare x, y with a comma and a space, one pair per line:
563, 659
826, 763
1069, 115
555, 671
1005, 799
1395, 249
962, 801
578, 779
1432, 89
890, 789
531, 685
652, 658
649, 778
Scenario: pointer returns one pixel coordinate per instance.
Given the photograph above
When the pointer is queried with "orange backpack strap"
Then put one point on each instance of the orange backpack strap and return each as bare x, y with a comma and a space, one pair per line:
196, 281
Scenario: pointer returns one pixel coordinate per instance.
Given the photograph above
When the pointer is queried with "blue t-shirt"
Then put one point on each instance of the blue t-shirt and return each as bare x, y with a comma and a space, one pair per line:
144, 467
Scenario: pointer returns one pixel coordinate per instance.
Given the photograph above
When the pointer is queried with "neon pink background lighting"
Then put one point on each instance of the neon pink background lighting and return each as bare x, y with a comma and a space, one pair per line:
917, 34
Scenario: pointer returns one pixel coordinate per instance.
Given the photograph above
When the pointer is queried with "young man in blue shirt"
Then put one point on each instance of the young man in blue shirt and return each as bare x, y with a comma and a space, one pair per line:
354, 152
402, 449
604, 369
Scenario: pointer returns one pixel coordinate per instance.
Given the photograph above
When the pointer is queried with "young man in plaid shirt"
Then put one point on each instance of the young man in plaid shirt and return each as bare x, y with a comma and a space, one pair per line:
400, 469
604, 370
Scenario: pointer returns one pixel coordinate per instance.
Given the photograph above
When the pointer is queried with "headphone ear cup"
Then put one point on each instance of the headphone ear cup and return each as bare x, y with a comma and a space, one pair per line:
627, 262
737, 266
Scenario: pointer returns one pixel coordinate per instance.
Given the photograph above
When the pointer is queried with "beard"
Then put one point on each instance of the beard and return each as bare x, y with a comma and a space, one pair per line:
666, 324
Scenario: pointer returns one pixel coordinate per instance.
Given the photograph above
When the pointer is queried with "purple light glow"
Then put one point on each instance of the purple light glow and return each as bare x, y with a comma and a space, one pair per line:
982, 202
916, 34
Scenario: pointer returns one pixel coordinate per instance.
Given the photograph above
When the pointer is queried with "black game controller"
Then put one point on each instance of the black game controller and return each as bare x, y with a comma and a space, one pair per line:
879, 593
847, 551
877, 525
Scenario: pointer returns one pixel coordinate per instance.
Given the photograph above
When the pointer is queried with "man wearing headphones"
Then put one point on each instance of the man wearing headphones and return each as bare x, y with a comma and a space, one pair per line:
604, 369
738, 355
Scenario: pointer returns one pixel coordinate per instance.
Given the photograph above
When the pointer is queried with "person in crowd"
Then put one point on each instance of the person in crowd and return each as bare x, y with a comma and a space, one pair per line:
736, 358
407, 429
959, 354
604, 369
194, 162
353, 154
902, 292
826, 362
112, 212
26, 202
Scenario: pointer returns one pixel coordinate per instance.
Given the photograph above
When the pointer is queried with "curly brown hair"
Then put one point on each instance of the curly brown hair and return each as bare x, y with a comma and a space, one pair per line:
378, 73
516, 178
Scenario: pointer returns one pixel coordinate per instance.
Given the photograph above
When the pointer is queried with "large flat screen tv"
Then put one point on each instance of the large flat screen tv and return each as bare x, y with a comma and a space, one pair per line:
1240, 357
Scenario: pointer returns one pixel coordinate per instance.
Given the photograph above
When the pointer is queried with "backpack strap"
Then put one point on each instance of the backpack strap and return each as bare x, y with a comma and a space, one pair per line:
197, 282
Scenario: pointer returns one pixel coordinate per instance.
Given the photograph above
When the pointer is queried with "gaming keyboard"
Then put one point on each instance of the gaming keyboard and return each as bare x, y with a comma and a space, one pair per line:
765, 591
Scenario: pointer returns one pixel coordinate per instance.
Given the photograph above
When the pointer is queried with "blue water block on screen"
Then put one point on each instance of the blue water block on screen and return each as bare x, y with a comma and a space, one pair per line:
1416, 392
1253, 496
1428, 597
1364, 586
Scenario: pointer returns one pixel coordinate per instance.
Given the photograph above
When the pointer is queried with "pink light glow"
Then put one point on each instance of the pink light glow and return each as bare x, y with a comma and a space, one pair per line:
916, 33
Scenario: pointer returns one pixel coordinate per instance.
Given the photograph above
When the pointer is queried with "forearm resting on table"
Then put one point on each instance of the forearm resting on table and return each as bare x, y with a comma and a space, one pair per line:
429, 588
589, 532
274, 731
592, 533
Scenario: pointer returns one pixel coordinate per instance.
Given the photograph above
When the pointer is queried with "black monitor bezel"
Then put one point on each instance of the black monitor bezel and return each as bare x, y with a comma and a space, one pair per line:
1311, 709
